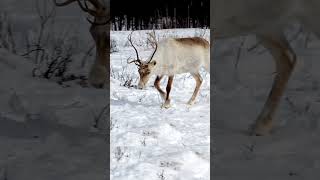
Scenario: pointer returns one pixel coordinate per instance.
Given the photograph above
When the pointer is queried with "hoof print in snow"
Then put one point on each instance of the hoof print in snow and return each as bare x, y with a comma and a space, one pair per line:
172, 164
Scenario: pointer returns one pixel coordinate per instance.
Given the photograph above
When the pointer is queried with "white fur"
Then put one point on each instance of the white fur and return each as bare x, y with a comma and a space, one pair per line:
173, 57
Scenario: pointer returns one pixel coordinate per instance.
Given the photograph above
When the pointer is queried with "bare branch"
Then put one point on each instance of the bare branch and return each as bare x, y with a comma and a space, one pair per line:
88, 53
45, 14
151, 39
239, 52
99, 116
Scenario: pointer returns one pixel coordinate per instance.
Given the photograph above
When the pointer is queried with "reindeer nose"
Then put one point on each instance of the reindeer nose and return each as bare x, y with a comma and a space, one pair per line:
140, 86
98, 86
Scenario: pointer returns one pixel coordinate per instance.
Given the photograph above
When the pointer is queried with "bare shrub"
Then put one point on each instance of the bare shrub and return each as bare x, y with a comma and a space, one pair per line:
124, 76
6, 36
152, 39
113, 46
51, 51
119, 153
161, 175
100, 121
200, 33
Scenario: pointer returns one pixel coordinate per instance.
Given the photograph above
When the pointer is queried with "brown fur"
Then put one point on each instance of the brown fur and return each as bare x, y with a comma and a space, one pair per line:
157, 85
192, 41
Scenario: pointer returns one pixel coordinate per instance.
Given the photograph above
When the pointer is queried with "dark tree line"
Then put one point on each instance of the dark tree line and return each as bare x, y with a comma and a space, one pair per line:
159, 14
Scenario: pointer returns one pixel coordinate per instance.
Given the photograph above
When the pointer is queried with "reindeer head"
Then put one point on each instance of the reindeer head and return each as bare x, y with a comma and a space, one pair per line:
145, 68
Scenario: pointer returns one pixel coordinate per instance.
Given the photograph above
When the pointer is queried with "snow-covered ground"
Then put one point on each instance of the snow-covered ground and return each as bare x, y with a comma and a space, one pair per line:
292, 150
46, 129
148, 142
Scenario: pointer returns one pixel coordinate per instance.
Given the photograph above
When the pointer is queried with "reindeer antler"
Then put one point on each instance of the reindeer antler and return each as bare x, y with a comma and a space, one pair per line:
136, 61
130, 40
98, 12
98, 24
63, 3
84, 7
153, 36
95, 3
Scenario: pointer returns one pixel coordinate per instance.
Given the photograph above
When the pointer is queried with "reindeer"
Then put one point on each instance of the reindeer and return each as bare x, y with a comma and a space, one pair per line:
100, 33
267, 20
173, 56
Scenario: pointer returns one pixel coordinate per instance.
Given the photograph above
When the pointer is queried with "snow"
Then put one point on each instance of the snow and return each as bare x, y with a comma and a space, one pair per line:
46, 130
150, 142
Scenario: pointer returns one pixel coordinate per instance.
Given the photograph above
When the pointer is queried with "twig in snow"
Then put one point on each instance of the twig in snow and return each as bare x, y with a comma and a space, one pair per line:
161, 175
88, 53
118, 153
98, 118
239, 52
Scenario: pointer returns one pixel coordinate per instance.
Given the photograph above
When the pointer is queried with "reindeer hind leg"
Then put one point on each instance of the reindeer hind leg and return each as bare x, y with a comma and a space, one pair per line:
285, 60
198, 79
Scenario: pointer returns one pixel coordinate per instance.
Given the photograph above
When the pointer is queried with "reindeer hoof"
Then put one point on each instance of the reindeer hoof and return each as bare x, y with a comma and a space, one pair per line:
190, 103
260, 129
97, 76
260, 132
98, 86
166, 105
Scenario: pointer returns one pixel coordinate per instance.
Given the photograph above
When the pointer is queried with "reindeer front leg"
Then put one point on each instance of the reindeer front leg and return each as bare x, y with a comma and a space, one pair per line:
166, 103
100, 69
285, 60
157, 85
198, 79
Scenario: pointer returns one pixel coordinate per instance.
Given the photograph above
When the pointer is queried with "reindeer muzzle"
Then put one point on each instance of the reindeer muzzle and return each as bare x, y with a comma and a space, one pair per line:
141, 86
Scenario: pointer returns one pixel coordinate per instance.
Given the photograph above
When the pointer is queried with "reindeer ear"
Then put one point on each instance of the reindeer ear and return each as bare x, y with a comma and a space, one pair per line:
153, 62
